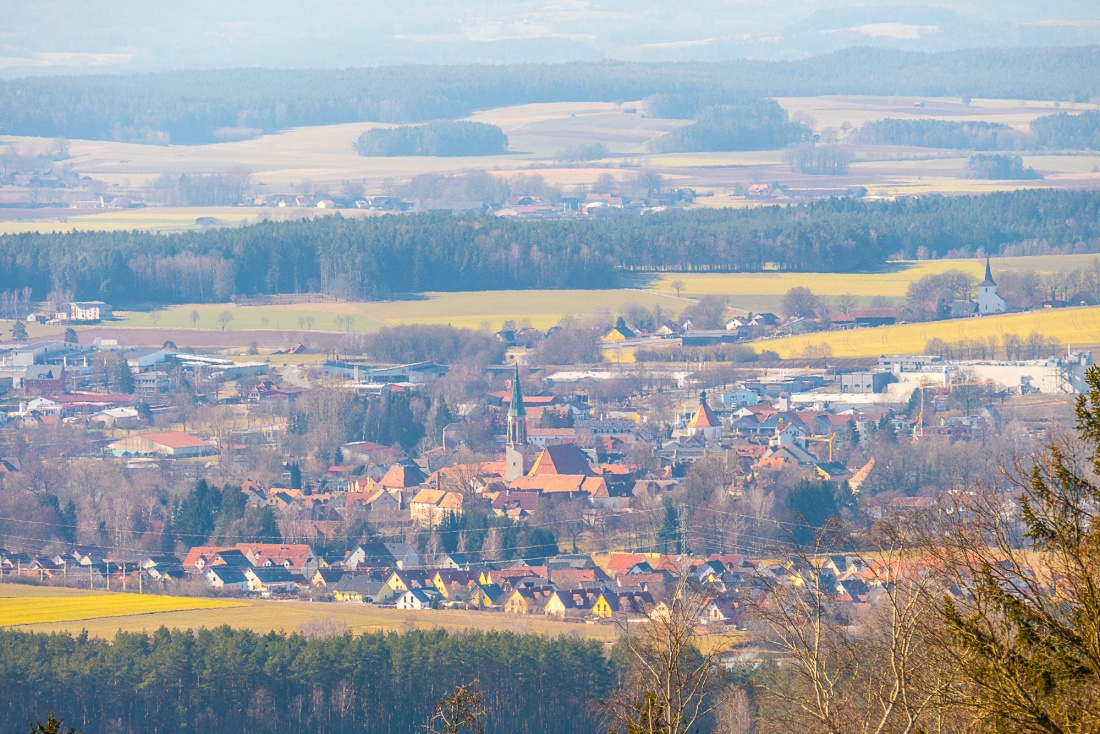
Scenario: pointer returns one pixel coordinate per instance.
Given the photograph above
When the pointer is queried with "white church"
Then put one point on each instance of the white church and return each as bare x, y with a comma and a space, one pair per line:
988, 300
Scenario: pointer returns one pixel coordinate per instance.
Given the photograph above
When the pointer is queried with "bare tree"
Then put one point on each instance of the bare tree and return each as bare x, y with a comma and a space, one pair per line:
194, 318
678, 286
463, 710
877, 675
224, 318
670, 680
845, 303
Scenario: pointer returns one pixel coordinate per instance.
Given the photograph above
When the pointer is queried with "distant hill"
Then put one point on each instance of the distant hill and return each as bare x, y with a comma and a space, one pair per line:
194, 107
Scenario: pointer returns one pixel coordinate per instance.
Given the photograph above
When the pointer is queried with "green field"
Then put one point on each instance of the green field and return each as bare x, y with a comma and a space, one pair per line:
542, 308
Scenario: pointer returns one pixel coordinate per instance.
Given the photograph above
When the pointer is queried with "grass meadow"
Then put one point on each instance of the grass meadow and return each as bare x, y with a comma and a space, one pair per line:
544, 308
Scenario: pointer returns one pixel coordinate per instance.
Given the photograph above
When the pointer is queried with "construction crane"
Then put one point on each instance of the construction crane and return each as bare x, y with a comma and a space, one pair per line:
829, 440
919, 430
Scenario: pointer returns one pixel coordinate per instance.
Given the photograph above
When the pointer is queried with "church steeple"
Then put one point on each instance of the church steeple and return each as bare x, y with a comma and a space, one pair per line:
515, 449
988, 276
517, 415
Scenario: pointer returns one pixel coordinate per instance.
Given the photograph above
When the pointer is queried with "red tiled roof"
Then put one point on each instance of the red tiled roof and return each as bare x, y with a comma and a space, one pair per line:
566, 458
704, 418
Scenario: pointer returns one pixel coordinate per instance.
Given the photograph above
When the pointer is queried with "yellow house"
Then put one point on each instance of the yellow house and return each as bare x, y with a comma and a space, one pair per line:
558, 604
449, 582
606, 605
620, 332
361, 589
486, 596
402, 581
522, 601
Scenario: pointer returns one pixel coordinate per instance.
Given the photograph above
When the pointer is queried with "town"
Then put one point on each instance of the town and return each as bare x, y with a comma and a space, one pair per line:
582, 492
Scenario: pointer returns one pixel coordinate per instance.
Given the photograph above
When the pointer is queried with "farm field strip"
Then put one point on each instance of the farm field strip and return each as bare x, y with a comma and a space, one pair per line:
544, 308
1071, 326
47, 609
17, 611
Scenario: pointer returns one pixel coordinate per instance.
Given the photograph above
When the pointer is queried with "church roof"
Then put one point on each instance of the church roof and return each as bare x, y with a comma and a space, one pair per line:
565, 458
988, 276
704, 417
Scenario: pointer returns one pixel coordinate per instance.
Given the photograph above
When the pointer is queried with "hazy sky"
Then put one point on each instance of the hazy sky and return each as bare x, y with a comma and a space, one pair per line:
49, 36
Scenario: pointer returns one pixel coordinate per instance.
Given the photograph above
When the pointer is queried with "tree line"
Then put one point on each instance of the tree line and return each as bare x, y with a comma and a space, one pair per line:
1060, 131
204, 106
444, 138
749, 124
225, 680
382, 257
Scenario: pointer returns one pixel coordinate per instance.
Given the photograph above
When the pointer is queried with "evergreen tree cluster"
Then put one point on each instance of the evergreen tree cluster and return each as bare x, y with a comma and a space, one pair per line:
436, 138
384, 257
219, 515
750, 124
226, 680
1061, 131
925, 133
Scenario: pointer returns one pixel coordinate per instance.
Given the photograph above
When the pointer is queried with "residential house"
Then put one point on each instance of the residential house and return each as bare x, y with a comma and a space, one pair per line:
417, 599
401, 581
486, 596
226, 577
297, 559
270, 580
361, 588
431, 507
525, 601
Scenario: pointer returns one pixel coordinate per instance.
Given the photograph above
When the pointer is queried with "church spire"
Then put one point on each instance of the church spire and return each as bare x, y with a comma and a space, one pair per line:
517, 415
988, 275
515, 408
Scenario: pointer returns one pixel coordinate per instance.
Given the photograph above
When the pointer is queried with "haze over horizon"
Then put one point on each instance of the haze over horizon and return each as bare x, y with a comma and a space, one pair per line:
129, 36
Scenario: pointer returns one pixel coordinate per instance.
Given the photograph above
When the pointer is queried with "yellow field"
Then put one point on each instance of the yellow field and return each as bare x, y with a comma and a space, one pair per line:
25, 610
260, 616
760, 291
1072, 326
161, 219
542, 308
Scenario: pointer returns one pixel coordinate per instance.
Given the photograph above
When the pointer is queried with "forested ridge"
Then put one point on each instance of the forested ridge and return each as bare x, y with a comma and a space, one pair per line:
381, 257
227, 680
188, 107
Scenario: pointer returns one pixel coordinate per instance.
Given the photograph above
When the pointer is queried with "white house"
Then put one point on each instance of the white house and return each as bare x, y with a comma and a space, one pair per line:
417, 599
224, 577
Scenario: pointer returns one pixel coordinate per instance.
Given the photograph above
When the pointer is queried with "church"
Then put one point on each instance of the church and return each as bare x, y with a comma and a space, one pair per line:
988, 300
986, 304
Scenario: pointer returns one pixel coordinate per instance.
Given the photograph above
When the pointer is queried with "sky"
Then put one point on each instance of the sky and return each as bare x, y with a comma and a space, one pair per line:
82, 36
